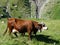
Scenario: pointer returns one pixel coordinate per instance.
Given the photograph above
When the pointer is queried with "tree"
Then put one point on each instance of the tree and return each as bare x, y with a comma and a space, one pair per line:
24, 8
37, 9
39, 5
8, 8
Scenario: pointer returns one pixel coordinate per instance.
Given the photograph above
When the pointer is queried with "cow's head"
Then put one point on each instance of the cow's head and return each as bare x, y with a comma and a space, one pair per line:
42, 27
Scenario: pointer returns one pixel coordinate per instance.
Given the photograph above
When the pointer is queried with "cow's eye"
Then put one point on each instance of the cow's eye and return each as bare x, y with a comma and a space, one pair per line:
43, 25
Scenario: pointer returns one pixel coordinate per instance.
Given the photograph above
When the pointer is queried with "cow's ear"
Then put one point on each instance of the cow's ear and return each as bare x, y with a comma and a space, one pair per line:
8, 18
40, 26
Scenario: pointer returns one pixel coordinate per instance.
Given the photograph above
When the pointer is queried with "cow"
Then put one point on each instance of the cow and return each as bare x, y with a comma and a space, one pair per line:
22, 26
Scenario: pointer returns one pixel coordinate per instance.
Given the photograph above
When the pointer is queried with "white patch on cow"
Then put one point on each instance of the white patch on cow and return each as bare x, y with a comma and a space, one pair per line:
44, 28
14, 30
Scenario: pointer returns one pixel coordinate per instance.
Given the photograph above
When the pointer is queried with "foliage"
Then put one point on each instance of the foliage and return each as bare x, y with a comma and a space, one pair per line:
25, 10
52, 10
3, 13
21, 11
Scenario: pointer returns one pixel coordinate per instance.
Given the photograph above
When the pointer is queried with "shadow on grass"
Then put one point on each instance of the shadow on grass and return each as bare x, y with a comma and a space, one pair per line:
45, 38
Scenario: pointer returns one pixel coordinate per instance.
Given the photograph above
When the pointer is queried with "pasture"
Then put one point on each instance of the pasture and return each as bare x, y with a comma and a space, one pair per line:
47, 37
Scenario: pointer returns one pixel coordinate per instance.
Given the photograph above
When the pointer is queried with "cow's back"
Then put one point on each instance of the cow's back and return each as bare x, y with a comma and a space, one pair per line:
23, 25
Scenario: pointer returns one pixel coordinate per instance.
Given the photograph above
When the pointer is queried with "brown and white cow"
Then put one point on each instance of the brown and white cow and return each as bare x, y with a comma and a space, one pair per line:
22, 26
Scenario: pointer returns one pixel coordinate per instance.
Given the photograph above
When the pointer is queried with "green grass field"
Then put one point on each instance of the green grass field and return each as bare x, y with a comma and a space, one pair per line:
47, 37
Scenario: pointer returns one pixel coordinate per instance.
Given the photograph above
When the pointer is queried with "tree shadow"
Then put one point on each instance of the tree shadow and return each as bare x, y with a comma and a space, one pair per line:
45, 38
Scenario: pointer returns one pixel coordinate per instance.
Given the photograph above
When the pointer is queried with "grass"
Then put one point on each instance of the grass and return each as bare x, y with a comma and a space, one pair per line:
48, 37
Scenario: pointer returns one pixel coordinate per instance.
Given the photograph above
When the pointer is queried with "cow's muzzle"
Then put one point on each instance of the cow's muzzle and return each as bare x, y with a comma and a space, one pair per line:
45, 28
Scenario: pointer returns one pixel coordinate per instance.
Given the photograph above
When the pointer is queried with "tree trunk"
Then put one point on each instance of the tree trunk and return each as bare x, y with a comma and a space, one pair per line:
37, 14
37, 8
8, 8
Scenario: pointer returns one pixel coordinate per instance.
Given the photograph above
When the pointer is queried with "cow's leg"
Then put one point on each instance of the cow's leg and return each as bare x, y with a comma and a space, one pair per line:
23, 33
14, 31
29, 30
10, 30
35, 32
15, 34
29, 33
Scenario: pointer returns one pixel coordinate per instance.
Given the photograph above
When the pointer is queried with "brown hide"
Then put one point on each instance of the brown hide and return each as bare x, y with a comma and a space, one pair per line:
22, 26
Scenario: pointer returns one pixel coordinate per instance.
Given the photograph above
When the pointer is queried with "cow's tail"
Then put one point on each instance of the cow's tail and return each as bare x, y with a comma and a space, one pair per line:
5, 31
